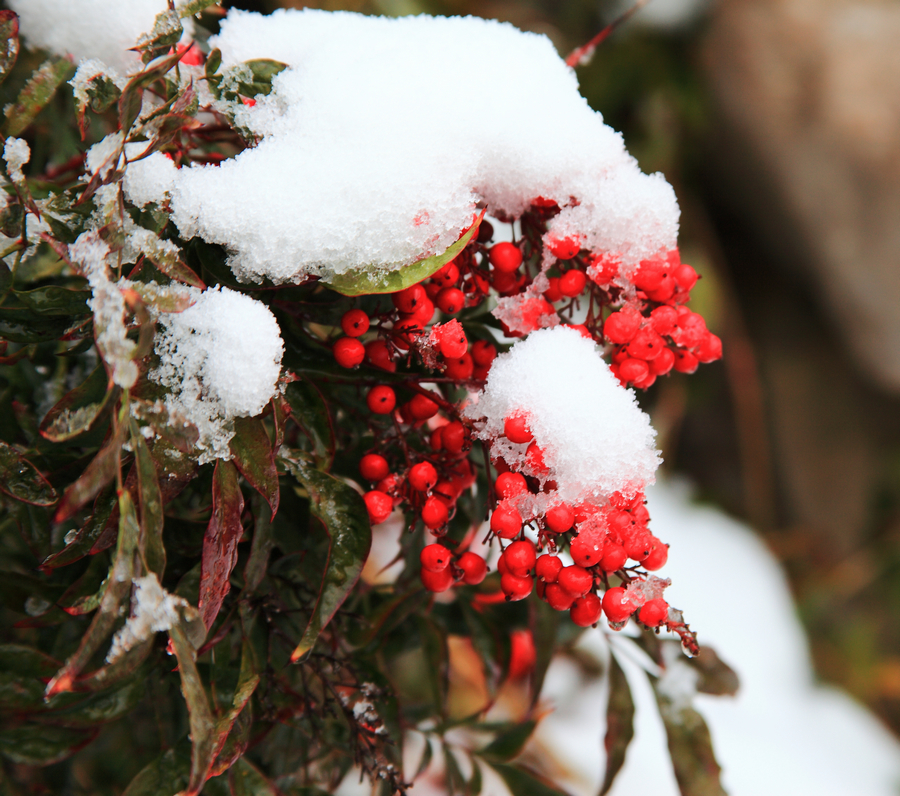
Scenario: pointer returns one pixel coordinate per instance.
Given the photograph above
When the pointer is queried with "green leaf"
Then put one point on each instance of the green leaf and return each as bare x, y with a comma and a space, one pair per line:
263, 70
103, 707
310, 410
55, 300
19, 325
473, 786
343, 513
150, 504
220, 540
130, 104
166, 775
456, 782
366, 281
22, 674
9, 33
41, 745
255, 459
619, 724
37, 93
509, 744
201, 720
213, 62
543, 622
247, 780
21, 480
437, 657
84, 595
77, 411
522, 781
88, 534
690, 747
195, 7
101, 470
248, 679
260, 547
715, 676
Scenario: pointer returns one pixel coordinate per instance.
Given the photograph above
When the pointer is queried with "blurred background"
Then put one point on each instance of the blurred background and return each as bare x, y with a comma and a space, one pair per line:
778, 123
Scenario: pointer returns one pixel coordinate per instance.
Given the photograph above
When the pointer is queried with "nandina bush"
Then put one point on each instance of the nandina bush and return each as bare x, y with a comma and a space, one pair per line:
200, 436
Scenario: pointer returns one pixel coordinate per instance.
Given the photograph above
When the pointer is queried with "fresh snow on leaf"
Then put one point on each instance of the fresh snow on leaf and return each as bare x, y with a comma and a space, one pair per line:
154, 610
382, 136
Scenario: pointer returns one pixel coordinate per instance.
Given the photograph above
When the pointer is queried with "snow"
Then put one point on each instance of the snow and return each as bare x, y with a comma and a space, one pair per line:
89, 29
148, 179
365, 160
154, 610
595, 438
16, 153
220, 359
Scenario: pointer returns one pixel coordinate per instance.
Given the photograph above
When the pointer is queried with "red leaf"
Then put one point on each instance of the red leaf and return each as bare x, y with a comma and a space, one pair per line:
220, 541
254, 457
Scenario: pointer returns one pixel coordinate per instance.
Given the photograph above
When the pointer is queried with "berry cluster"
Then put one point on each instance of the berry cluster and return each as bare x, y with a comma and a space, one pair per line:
422, 459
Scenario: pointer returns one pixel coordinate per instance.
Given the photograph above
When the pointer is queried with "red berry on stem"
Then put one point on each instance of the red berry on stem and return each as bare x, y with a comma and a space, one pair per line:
355, 323
586, 610
547, 568
378, 353
435, 513
632, 370
614, 607
646, 344
459, 369
685, 361
516, 588
474, 568
373, 467
560, 517
422, 476
435, 557
648, 275
421, 407
664, 320
453, 437
654, 612
451, 339
553, 293
621, 326
520, 557
506, 521
505, 257
586, 549
451, 300
614, 557
575, 580
663, 362
522, 653
410, 299
379, 506
572, 283
349, 352
448, 275
659, 555
534, 459
510, 484
685, 276
483, 353
710, 349
437, 581
564, 248
516, 429
558, 598
381, 400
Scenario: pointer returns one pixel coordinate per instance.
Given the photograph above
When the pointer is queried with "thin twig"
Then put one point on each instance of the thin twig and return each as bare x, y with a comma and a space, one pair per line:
582, 55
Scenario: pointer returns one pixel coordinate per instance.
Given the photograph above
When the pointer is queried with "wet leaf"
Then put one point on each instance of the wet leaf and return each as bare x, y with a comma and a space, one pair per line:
522, 781
543, 622
437, 657
37, 93
35, 527
509, 744
690, 747
9, 33
362, 282
41, 745
619, 724
343, 513
101, 470
76, 412
310, 411
473, 786
220, 540
21, 480
130, 106
103, 707
248, 679
195, 7
150, 504
83, 542
213, 62
19, 325
260, 547
166, 775
456, 782
84, 595
55, 300
255, 459
716, 676
247, 780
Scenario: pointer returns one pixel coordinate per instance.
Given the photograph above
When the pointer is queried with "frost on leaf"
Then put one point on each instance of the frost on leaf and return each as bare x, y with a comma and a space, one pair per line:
154, 610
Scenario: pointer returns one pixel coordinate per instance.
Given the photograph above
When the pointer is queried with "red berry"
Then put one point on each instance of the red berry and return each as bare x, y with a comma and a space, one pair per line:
560, 517
522, 653
378, 353
483, 353
453, 437
421, 407
193, 55
564, 248
648, 275
506, 521
710, 349
388, 485
435, 513
659, 555
547, 568
685, 361
373, 467
474, 568
422, 476
586, 610
485, 231
685, 276
534, 459
510, 484
654, 612
621, 326
437, 439
459, 369
586, 549
614, 557
553, 293
451, 339
615, 607
572, 283
664, 320
437, 581
516, 429
646, 344
446, 491
451, 300
435, 557
410, 299
558, 598
516, 588
663, 362
505, 257
355, 323
638, 543
520, 557
379, 506
349, 352
632, 370
381, 400
575, 580
448, 275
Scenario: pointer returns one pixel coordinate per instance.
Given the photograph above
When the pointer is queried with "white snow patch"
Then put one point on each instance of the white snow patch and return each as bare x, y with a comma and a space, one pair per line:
154, 610
148, 179
381, 136
220, 359
16, 153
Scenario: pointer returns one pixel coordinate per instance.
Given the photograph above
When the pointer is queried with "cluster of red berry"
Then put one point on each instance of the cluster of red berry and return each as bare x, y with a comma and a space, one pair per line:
650, 334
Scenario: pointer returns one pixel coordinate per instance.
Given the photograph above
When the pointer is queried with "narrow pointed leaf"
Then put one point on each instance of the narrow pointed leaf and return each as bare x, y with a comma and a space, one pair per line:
716, 676
248, 679
220, 540
150, 504
9, 35
76, 412
37, 93
255, 459
22, 481
55, 300
310, 411
247, 780
437, 658
619, 724
543, 622
343, 513
195, 7
98, 474
456, 782
524, 782
41, 745
166, 775
260, 547
83, 542
509, 744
